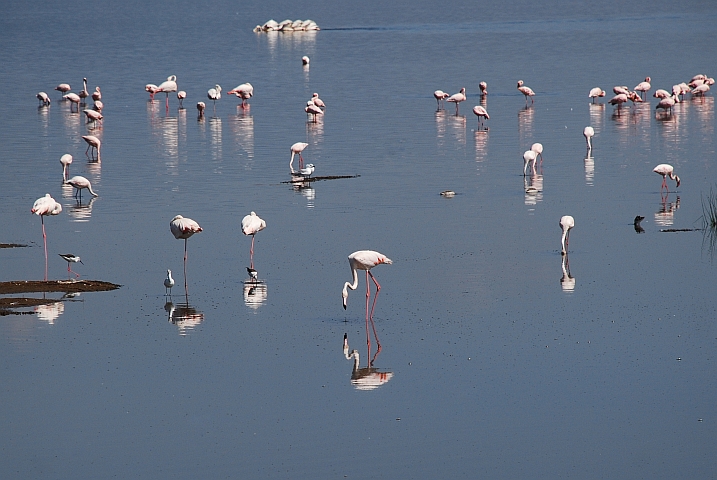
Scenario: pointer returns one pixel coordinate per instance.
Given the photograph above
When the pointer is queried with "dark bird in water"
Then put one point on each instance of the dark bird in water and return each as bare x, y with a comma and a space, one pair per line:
636, 223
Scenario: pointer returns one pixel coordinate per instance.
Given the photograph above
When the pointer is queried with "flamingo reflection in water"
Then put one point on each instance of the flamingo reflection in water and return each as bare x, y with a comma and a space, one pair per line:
184, 316
368, 377
665, 216
567, 281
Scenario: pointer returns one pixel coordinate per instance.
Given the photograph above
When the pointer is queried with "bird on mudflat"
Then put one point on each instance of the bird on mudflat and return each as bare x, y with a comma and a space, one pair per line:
566, 223
308, 170
70, 258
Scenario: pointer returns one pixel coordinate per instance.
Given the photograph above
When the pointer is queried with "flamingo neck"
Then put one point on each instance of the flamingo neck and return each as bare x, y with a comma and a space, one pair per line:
562, 240
352, 286
89, 187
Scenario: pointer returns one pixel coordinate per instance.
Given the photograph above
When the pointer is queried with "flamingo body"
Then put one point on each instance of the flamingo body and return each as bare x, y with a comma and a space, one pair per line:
80, 183
481, 113
66, 161
666, 170
457, 98
317, 101
566, 223
440, 96
251, 225
595, 93
93, 142
215, 93
244, 91
483, 86
527, 91
63, 88
589, 133
363, 260
44, 99
298, 147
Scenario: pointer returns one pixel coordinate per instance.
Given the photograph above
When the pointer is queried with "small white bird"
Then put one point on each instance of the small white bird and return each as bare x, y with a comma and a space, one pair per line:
168, 283
589, 133
308, 170
253, 274
70, 258
566, 223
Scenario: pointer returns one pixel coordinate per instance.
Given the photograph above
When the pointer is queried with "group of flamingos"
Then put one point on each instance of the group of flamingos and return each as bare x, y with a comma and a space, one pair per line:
183, 228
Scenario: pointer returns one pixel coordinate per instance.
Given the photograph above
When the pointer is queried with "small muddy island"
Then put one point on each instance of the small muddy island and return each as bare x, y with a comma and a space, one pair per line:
8, 305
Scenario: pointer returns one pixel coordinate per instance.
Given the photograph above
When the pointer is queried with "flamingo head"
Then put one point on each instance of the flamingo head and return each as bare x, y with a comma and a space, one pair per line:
677, 179
345, 296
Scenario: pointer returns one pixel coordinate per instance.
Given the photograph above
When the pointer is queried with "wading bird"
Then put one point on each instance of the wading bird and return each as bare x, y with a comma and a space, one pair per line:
66, 161
251, 225
183, 228
94, 143
457, 98
70, 258
44, 99
481, 113
589, 133
298, 147
596, 92
244, 91
44, 206
566, 223
666, 170
527, 91
181, 95
168, 283
169, 85
80, 183
440, 96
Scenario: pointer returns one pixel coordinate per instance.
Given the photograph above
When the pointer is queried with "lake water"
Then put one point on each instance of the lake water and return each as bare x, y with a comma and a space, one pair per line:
497, 360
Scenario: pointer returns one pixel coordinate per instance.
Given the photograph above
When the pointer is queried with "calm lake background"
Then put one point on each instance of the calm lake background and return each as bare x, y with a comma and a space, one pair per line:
497, 363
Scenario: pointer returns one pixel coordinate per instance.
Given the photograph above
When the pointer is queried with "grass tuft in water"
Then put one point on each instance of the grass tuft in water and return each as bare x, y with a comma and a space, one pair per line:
709, 221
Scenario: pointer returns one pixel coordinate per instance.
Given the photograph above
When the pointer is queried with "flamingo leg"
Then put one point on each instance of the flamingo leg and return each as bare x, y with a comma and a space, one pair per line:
186, 291
44, 241
251, 253
368, 338
373, 325
301, 161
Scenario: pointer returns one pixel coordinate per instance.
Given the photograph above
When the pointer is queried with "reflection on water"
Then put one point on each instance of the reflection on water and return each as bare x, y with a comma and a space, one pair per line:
457, 126
184, 316
589, 161
215, 135
597, 114
43, 112
304, 188
567, 281
665, 216
73, 125
368, 377
440, 119
167, 128
533, 186
242, 126
78, 211
525, 125
50, 312
255, 294
481, 139
705, 112
315, 131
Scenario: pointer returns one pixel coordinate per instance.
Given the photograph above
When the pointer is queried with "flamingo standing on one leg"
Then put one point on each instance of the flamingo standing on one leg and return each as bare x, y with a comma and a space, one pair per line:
298, 147
527, 91
312, 109
170, 85
214, 94
66, 161
596, 92
251, 225
566, 223
440, 96
44, 206
94, 143
481, 113
83, 94
70, 258
589, 133
666, 170
365, 260
457, 98
183, 228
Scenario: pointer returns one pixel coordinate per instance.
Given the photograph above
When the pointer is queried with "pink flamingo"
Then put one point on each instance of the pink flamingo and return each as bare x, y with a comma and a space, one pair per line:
644, 87
667, 103
481, 113
483, 86
666, 170
440, 96
181, 95
298, 147
538, 149
63, 88
43, 207
80, 183
596, 92
589, 133
44, 99
84, 93
317, 101
97, 95
566, 223
457, 98
618, 100
244, 91
170, 85
251, 225
364, 260
183, 228
66, 161
312, 109
527, 91
74, 100
151, 88
660, 93
94, 143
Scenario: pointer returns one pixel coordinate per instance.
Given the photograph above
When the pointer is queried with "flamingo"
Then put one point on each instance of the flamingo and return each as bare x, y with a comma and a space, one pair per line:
170, 85
634, 98
538, 149
481, 112
644, 87
92, 142
44, 99
317, 101
368, 377
181, 95
44, 206
667, 103
298, 147
74, 99
183, 228
65, 160
660, 93
168, 283
528, 156
97, 95
92, 115
214, 94
483, 86
596, 92
457, 98
527, 91
305, 60
251, 225
84, 93
589, 133
666, 170
70, 258
312, 109
244, 91
80, 183
440, 96
618, 100
621, 90
98, 105
63, 88
200, 108
151, 88
365, 260
700, 90
566, 223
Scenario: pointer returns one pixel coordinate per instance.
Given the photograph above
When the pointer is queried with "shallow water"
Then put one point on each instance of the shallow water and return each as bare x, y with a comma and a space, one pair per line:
495, 361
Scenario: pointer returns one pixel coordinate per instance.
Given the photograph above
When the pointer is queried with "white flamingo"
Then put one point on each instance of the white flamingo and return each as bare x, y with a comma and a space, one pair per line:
457, 98
666, 170
183, 228
251, 225
298, 147
481, 113
527, 91
589, 133
80, 183
566, 223
595, 93
440, 96
168, 86
66, 161
43, 207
